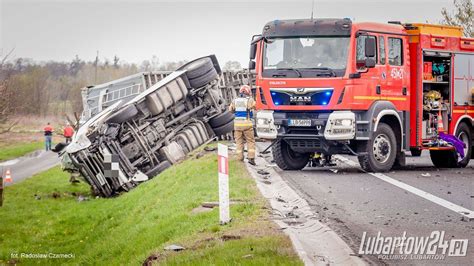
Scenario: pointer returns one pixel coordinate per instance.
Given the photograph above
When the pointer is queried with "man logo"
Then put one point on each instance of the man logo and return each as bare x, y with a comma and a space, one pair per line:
300, 99
300, 90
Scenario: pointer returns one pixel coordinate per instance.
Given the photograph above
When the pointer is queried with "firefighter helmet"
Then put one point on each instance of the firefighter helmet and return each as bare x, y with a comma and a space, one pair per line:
245, 89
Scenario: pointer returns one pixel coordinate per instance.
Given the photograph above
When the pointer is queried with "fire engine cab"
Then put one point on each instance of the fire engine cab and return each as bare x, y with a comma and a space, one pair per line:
373, 90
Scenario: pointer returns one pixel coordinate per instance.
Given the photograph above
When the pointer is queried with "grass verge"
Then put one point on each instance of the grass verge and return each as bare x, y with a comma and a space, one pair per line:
17, 149
136, 226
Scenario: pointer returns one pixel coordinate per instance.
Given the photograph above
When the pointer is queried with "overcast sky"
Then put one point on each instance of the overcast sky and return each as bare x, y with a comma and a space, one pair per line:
172, 30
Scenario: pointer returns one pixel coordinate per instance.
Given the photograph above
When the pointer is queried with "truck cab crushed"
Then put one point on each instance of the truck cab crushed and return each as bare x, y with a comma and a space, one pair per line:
134, 140
336, 87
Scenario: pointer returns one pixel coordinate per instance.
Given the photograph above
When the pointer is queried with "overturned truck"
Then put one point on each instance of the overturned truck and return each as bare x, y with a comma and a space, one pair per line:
134, 140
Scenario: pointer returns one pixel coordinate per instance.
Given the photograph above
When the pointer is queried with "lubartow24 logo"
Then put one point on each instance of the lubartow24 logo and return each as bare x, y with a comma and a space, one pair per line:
404, 247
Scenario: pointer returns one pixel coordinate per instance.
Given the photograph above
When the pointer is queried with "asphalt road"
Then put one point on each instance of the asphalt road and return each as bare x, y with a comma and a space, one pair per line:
24, 167
417, 199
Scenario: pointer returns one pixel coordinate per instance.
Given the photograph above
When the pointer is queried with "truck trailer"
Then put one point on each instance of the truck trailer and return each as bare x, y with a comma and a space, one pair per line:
373, 90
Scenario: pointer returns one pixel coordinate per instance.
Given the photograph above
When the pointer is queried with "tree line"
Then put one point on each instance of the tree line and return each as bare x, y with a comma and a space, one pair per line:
28, 87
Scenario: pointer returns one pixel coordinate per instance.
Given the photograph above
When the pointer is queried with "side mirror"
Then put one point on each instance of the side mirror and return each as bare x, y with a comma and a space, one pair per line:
251, 64
369, 47
253, 50
369, 63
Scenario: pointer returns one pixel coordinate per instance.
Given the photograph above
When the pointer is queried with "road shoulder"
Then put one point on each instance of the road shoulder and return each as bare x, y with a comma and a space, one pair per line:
314, 242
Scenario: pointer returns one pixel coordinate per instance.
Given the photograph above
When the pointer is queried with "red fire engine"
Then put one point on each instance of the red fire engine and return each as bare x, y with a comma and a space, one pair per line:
369, 89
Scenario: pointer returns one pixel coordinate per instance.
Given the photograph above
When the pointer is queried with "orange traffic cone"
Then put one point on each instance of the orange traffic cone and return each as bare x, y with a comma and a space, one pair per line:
8, 176
440, 122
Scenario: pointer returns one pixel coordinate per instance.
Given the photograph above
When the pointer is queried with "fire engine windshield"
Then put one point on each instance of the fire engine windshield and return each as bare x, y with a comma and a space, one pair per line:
305, 57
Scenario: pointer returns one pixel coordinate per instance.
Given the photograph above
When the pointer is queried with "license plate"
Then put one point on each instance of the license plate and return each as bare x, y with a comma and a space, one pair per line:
299, 122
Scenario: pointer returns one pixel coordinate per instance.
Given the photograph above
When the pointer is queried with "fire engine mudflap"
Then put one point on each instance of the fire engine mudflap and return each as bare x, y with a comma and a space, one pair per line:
131, 142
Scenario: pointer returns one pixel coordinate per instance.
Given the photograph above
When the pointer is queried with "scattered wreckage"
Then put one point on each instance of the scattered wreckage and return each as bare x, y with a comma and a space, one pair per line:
134, 140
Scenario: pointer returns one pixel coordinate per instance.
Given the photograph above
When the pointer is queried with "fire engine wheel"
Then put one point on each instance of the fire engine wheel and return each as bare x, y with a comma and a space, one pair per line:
286, 158
381, 150
449, 159
415, 152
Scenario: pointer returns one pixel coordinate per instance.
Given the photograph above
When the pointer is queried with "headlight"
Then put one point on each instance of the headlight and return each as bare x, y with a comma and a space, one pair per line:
262, 121
343, 122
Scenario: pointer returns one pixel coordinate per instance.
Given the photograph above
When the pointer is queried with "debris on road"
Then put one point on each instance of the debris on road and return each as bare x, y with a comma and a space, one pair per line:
262, 172
280, 199
426, 175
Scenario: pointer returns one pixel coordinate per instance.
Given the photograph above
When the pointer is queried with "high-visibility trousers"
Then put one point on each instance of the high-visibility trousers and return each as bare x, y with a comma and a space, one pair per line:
244, 134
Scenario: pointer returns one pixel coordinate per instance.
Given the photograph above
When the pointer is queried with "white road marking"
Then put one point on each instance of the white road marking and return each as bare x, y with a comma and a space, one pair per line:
10, 162
437, 200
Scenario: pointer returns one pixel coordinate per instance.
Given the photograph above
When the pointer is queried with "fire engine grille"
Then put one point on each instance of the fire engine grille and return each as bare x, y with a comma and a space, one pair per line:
298, 144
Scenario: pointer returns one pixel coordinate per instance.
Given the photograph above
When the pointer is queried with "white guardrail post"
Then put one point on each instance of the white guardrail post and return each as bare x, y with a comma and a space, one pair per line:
223, 169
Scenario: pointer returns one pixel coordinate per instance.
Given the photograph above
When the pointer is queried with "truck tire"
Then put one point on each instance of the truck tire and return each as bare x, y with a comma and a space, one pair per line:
221, 119
286, 158
123, 115
198, 68
158, 169
465, 135
443, 159
449, 159
204, 79
224, 129
381, 150
415, 152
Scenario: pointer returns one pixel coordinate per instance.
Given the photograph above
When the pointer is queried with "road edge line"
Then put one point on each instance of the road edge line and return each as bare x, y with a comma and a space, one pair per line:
314, 242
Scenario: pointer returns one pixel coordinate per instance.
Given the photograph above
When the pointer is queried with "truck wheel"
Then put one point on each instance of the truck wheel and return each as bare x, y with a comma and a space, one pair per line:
443, 159
198, 68
381, 150
204, 79
123, 115
415, 152
464, 134
224, 129
286, 158
221, 119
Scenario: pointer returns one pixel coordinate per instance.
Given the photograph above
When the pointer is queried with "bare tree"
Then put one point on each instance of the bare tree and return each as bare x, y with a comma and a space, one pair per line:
5, 97
232, 66
463, 15
116, 61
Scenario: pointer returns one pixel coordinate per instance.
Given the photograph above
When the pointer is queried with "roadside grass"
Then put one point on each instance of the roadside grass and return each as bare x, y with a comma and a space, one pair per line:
16, 149
136, 226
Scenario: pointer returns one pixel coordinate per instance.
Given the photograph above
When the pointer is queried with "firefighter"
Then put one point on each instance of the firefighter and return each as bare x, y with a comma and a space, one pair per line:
68, 131
48, 136
243, 107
